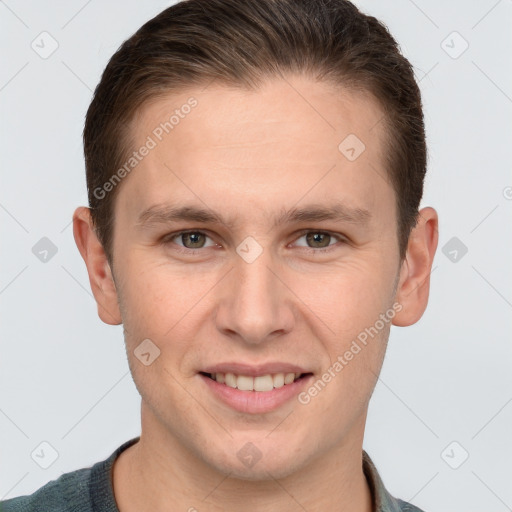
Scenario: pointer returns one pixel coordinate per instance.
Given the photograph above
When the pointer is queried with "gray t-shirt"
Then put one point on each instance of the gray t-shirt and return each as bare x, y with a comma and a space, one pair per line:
91, 490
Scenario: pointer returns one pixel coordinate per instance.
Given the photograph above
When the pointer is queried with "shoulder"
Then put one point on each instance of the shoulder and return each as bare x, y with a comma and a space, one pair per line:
69, 492
84, 490
405, 507
383, 501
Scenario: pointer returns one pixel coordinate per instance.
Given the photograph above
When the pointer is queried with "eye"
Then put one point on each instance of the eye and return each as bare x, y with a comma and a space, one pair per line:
315, 241
190, 240
319, 241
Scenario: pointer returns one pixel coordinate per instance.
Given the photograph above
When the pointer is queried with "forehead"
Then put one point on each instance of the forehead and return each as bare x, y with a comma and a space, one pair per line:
291, 137
298, 106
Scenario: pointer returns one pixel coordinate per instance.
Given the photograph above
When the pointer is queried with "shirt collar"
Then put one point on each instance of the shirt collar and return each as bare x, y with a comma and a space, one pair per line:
382, 500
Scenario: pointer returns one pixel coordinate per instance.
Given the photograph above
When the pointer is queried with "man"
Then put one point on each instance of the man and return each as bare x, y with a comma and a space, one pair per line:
254, 171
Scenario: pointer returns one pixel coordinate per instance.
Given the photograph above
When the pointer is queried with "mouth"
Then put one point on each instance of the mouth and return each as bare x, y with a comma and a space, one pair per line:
261, 383
255, 388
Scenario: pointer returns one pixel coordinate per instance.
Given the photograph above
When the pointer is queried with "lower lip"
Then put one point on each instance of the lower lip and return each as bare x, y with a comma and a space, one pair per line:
256, 402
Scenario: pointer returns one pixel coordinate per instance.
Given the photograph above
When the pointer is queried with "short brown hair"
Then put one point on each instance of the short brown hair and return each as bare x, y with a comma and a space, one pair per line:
240, 43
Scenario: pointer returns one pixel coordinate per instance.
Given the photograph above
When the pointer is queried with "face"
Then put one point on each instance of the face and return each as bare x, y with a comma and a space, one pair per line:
249, 246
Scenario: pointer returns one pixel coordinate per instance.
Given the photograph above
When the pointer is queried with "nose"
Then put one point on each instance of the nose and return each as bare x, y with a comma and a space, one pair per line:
255, 304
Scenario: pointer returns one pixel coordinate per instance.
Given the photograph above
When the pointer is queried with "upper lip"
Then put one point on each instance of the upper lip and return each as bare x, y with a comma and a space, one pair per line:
254, 370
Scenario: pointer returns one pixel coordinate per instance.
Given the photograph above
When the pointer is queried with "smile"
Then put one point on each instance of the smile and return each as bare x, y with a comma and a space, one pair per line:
259, 393
260, 383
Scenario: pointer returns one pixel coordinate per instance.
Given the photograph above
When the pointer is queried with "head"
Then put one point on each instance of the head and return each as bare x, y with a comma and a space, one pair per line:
287, 138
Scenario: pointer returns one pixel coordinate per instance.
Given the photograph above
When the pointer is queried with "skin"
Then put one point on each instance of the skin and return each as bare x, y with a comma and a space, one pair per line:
248, 155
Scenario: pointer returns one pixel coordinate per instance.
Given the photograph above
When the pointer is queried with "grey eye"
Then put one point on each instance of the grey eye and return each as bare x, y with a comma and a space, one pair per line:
193, 240
318, 239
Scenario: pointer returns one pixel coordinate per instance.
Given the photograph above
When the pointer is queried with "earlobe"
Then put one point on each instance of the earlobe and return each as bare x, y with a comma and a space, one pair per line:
414, 284
98, 268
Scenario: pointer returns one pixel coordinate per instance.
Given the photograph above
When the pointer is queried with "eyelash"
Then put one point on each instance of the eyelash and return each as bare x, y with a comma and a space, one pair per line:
184, 250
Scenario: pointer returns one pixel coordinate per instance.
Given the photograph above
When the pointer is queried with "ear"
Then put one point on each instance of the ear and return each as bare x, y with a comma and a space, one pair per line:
414, 283
100, 274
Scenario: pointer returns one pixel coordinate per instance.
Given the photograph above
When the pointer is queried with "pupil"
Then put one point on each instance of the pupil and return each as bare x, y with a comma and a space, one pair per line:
318, 238
194, 238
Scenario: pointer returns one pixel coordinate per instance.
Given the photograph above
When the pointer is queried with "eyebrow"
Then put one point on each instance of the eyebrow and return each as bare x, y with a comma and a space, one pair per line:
165, 214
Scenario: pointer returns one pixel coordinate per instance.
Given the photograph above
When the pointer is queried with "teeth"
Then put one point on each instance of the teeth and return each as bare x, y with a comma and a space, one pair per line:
245, 383
289, 378
262, 383
230, 380
278, 380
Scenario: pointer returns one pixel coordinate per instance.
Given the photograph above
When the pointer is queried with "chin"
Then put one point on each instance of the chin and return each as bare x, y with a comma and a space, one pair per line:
258, 464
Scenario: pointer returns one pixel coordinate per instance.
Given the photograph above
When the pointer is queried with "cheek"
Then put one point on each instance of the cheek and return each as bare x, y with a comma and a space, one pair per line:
152, 296
346, 307
355, 356
347, 298
166, 306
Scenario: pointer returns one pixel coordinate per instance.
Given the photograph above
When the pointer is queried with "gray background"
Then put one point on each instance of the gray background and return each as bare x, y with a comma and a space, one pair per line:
64, 378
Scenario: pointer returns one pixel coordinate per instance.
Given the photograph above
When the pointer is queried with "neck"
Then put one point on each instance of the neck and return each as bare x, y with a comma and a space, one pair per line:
159, 471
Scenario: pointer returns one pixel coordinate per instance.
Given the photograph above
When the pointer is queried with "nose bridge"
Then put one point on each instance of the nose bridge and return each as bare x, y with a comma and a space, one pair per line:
255, 303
